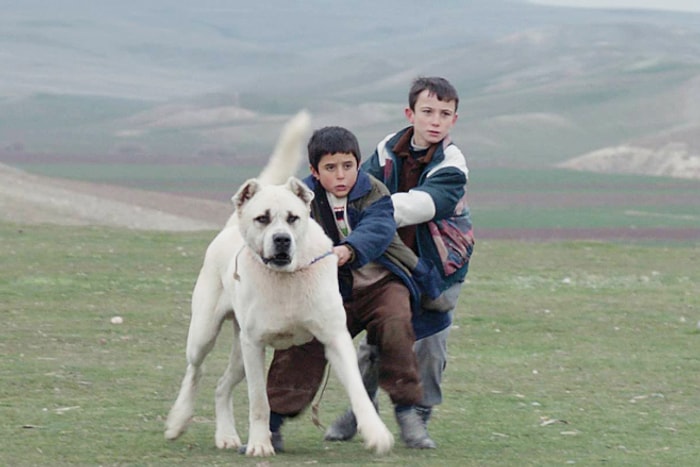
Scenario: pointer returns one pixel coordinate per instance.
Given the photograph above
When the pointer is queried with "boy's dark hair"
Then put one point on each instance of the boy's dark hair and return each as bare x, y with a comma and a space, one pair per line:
442, 88
330, 140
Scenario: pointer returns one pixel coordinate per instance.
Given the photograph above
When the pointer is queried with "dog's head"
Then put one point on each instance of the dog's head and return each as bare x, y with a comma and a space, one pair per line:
273, 220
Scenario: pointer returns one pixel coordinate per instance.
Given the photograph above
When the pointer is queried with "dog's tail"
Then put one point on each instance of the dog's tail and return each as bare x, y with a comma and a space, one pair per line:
289, 151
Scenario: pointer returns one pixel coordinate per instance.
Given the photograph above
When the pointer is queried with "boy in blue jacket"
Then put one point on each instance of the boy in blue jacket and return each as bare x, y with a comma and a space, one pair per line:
380, 279
427, 177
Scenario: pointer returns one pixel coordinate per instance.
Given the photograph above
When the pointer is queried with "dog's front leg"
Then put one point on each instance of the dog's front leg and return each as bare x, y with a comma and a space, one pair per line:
259, 441
342, 357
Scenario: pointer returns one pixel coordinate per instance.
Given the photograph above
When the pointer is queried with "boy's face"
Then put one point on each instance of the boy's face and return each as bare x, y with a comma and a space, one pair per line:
337, 173
432, 119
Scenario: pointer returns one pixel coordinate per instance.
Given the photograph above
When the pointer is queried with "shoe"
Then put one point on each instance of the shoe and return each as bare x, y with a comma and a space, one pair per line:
424, 413
413, 431
343, 428
277, 443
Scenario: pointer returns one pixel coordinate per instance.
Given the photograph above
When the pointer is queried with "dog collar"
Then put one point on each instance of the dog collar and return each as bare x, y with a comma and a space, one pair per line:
319, 258
315, 260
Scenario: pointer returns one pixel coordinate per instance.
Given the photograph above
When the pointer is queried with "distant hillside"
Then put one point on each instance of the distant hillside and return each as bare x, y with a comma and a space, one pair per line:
211, 81
671, 160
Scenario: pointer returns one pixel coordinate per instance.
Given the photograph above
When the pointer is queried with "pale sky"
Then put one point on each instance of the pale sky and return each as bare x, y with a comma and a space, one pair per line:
673, 5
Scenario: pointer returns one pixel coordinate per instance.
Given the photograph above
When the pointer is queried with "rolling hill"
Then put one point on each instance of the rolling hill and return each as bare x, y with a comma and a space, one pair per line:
538, 85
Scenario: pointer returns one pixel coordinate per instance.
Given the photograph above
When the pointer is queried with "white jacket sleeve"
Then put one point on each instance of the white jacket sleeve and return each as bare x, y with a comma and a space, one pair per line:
414, 207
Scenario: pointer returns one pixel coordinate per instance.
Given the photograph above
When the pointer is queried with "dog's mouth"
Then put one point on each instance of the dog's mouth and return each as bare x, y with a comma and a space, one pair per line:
279, 260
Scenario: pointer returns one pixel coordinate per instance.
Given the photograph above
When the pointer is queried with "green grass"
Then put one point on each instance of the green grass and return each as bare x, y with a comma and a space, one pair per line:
578, 353
631, 216
569, 199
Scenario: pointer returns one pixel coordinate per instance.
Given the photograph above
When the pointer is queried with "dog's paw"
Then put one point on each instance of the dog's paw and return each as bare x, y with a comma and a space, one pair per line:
260, 449
228, 441
178, 419
173, 429
172, 434
377, 438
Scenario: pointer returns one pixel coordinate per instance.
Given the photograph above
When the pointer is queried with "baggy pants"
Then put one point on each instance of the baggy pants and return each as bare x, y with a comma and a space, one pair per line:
384, 311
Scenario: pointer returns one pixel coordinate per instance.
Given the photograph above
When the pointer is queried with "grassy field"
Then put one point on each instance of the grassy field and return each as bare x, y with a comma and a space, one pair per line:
571, 353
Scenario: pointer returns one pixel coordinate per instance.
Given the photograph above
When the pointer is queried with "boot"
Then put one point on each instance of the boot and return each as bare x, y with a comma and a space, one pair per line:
277, 441
413, 431
424, 413
343, 428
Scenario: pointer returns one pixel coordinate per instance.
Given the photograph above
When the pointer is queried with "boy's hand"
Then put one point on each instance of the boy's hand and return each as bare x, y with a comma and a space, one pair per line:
344, 254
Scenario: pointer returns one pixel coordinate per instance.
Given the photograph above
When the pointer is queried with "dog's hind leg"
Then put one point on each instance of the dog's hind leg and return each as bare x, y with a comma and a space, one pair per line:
181, 412
226, 434
343, 359
205, 324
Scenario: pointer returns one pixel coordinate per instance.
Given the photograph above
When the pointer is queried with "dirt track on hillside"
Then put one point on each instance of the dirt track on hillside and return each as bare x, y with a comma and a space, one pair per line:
31, 199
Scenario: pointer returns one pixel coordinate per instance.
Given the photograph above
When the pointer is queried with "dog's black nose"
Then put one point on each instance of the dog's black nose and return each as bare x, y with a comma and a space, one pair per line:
281, 241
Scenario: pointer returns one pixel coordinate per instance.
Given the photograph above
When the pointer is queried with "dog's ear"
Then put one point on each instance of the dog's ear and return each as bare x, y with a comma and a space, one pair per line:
300, 189
245, 193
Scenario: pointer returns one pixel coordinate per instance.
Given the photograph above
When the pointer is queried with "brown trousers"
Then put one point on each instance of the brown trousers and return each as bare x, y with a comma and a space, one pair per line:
384, 311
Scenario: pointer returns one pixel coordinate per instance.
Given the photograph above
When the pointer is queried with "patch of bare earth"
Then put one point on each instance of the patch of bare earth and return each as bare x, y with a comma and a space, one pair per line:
32, 199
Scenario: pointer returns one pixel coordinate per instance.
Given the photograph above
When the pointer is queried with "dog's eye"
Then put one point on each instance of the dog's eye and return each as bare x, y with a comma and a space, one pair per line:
291, 218
263, 219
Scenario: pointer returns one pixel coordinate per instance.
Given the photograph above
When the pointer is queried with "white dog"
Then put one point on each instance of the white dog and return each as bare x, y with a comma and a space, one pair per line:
270, 271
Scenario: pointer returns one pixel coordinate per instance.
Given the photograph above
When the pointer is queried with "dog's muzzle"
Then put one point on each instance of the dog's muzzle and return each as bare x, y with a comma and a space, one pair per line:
282, 244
